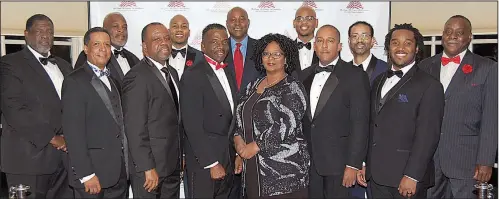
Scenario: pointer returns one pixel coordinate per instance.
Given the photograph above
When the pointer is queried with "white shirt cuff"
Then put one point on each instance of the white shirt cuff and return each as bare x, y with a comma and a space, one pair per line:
411, 178
363, 164
87, 178
211, 165
352, 167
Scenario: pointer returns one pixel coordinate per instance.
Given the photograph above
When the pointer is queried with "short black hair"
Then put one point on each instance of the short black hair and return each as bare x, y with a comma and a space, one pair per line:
37, 17
144, 30
86, 38
211, 27
417, 36
287, 45
333, 27
363, 23
461, 17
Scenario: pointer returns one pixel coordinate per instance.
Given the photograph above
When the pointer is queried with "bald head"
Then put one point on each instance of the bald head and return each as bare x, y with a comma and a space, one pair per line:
329, 28
117, 27
237, 9
237, 23
305, 9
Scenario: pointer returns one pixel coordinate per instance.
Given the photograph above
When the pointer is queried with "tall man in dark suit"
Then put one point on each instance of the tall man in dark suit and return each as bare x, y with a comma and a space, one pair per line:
468, 142
361, 40
305, 23
33, 146
152, 119
337, 122
93, 124
207, 106
183, 56
122, 59
406, 115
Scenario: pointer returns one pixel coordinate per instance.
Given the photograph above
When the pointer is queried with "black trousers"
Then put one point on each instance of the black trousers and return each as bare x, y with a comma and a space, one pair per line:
118, 191
327, 186
168, 187
202, 186
44, 186
382, 191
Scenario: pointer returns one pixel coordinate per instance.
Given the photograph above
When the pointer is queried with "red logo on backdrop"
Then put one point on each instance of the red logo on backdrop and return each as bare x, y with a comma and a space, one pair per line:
176, 4
221, 4
266, 4
197, 39
355, 5
309, 3
128, 4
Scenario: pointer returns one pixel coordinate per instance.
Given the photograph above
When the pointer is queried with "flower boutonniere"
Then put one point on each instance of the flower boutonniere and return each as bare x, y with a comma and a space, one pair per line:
188, 63
467, 69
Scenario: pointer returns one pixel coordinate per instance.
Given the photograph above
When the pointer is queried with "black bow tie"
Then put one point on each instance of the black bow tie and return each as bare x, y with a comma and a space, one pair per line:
181, 51
45, 60
324, 69
307, 45
119, 52
398, 73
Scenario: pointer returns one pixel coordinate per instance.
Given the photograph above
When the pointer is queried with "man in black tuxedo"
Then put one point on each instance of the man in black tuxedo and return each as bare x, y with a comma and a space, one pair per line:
152, 119
305, 23
240, 57
339, 100
33, 146
361, 40
467, 149
207, 107
122, 60
93, 124
183, 56
406, 114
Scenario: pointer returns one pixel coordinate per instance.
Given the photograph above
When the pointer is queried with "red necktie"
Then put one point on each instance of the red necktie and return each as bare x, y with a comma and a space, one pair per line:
455, 59
213, 62
238, 64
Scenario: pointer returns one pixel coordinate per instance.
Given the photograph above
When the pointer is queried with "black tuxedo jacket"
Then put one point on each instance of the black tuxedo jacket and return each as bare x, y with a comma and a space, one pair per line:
32, 114
375, 68
207, 117
338, 132
405, 129
113, 65
152, 121
250, 73
92, 130
194, 55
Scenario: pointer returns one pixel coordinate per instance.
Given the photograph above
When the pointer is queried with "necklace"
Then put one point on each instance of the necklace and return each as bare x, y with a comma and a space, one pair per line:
273, 83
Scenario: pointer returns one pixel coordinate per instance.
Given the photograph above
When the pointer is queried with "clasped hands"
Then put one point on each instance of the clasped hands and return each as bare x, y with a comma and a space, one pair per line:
245, 151
59, 143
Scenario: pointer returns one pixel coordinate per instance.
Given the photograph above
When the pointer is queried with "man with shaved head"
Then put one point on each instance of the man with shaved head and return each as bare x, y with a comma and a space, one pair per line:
183, 56
305, 23
122, 59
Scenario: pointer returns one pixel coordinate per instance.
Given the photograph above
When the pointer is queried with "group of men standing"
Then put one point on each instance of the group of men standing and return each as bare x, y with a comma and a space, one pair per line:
114, 121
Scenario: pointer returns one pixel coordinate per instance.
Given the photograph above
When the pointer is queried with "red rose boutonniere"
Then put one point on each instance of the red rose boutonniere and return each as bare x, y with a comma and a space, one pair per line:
467, 69
188, 63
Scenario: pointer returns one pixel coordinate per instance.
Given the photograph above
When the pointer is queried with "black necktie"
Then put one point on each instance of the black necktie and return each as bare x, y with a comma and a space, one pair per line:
169, 81
119, 52
398, 73
324, 69
45, 60
181, 51
361, 66
307, 45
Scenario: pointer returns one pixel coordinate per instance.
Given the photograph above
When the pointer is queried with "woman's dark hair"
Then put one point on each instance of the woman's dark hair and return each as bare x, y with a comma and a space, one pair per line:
417, 36
287, 45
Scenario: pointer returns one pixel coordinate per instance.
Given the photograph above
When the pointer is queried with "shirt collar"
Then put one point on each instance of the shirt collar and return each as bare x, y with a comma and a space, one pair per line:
406, 68
334, 62
244, 42
157, 64
461, 55
95, 68
173, 47
365, 62
37, 55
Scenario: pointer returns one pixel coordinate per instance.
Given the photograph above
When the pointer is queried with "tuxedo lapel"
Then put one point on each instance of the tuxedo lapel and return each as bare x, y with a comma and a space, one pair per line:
327, 90
371, 66
307, 83
392, 92
378, 103
38, 67
128, 57
459, 79
116, 67
99, 88
231, 76
190, 56
217, 87
436, 66
160, 77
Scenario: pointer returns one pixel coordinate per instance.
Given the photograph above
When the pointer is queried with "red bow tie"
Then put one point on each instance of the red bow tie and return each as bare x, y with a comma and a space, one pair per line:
213, 62
455, 59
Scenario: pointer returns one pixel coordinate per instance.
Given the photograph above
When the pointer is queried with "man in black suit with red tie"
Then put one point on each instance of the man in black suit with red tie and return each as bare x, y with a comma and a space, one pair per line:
183, 56
33, 145
406, 114
123, 60
93, 124
339, 100
305, 23
207, 107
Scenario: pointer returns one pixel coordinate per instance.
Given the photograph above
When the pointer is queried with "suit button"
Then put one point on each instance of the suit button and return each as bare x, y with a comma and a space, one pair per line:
374, 144
375, 125
219, 115
122, 148
117, 136
313, 125
380, 104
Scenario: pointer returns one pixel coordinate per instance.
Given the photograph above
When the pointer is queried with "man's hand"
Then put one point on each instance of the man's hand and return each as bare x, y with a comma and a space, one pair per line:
59, 142
152, 180
482, 173
249, 151
92, 186
407, 187
238, 165
361, 177
349, 177
217, 172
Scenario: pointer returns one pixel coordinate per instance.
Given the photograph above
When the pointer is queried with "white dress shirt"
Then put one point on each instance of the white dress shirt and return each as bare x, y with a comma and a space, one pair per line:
125, 67
306, 55
222, 78
392, 81
448, 71
365, 63
52, 70
317, 85
159, 66
178, 62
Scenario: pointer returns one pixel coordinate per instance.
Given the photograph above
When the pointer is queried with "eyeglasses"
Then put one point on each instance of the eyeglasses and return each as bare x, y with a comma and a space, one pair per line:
362, 37
275, 55
306, 18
